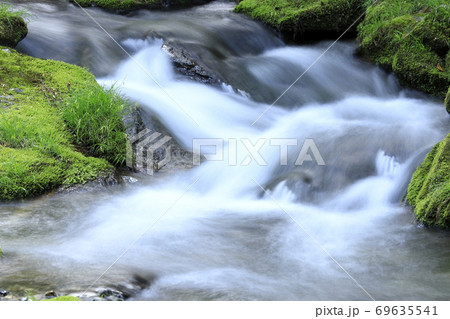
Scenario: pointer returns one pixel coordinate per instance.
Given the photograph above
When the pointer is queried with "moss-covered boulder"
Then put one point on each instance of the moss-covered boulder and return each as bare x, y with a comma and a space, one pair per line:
412, 39
140, 4
36, 150
12, 30
429, 190
306, 19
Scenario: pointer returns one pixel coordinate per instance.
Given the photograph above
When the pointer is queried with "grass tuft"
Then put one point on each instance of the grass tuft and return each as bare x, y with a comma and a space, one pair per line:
7, 13
94, 116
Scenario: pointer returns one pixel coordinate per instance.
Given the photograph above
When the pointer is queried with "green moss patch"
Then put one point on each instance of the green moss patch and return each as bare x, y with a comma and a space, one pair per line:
36, 146
63, 298
12, 26
308, 19
411, 38
429, 190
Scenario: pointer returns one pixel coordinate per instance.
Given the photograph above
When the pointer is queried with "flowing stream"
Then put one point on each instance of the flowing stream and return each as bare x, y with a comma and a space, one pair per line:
212, 232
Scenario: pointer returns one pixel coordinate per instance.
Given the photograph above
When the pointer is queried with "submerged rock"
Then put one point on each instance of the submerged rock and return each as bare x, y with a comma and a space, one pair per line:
429, 190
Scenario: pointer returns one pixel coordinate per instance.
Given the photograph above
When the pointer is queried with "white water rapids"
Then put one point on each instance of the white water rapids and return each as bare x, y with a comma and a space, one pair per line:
212, 233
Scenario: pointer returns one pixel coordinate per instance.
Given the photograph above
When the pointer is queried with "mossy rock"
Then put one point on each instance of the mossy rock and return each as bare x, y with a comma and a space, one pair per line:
410, 38
306, 20
36, 150
12, 31
429, 190
129, 5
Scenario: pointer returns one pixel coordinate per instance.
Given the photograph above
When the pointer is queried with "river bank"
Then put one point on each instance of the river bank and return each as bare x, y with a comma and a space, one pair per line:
410, 40
36, 145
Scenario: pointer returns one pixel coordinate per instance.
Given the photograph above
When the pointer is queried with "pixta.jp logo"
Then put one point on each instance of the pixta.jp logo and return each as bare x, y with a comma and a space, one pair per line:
244, 151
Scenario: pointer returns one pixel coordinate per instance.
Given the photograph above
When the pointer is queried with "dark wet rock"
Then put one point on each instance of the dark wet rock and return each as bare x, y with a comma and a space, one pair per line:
50, 294
171, 154
95, 185
3, 293
110, 294
186, 64
138, 283
186, 59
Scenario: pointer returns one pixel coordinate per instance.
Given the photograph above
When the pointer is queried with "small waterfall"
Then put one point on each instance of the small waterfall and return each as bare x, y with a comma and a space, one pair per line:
386, 165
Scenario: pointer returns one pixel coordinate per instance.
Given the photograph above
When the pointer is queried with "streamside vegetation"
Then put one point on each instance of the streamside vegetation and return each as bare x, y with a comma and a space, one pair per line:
412, 39
308, 19
408, 37
44, 140
94, 117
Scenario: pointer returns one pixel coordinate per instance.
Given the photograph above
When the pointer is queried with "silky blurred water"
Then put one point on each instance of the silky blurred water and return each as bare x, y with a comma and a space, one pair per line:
212, 232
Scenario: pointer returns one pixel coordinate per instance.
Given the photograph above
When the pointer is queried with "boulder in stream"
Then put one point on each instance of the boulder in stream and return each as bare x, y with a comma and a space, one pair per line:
429, 190
13, 27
